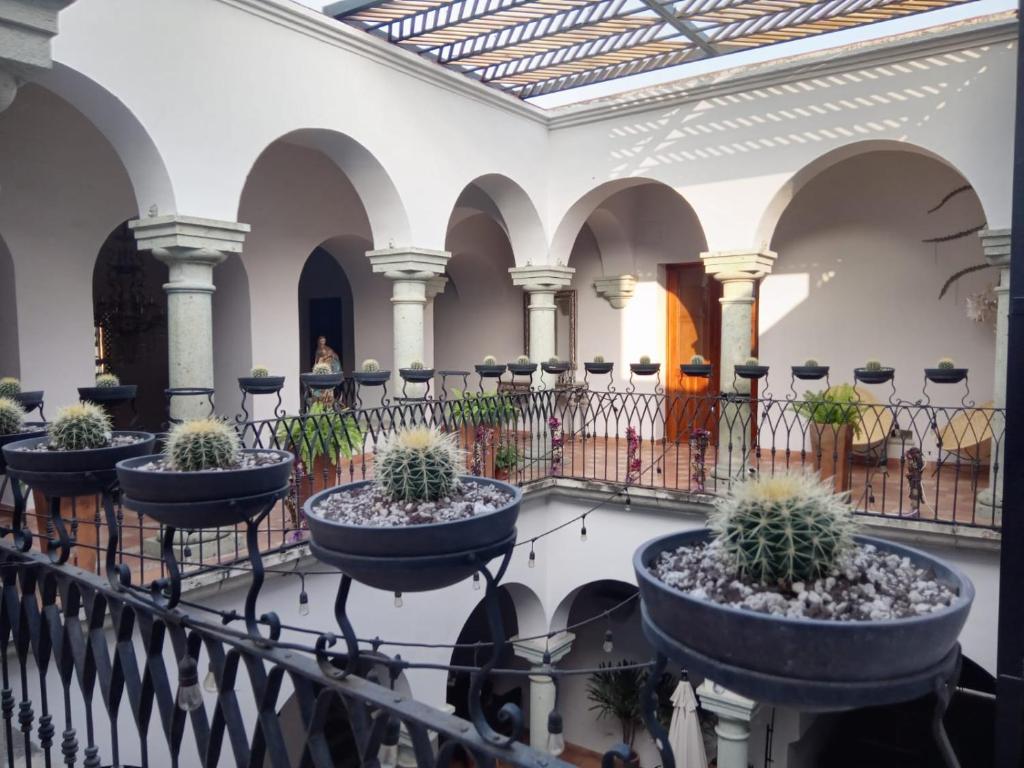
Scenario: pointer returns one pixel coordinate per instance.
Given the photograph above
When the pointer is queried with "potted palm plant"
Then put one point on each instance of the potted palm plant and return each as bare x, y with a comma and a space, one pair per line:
834, 418
614, 693
318, 439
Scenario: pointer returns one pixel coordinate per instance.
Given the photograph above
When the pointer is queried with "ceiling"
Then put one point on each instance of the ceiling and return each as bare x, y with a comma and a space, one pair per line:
535, 47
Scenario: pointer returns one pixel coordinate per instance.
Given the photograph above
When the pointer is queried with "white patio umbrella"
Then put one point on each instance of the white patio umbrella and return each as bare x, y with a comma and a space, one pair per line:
684, 734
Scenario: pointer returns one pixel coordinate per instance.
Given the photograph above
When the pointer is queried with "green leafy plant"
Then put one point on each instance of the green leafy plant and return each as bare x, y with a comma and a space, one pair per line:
614, 693
80, 427
485, 408
259, 372
202, 444
506, 457
321, 431
783, 528
9, 386
370, 366
418, 464
12, 417
946, 363
835, 406
107, 380
322, 369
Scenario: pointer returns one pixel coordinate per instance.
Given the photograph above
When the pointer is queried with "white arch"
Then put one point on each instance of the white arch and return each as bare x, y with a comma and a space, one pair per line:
127, 135
510, 206
785, 194
560, 617
530, 615
389, 220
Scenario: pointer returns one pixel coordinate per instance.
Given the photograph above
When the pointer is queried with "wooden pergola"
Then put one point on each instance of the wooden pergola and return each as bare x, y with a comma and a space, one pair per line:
534, 47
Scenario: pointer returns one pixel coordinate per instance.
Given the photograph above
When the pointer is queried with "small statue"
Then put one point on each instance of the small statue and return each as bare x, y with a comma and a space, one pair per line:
326, 356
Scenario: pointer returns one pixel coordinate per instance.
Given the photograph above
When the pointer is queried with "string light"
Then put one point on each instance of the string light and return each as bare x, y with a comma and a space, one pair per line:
190, 695
398, 599
609, 643
303, 597
556, 740
210, 681
532, 562
583, 529
476, 582
388, 752
628, 507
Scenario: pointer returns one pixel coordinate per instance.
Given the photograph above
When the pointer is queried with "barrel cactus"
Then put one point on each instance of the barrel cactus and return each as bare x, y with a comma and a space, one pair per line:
80, 427
200, 444
322, 369
553, 360
9, 386
752, 361
523, 360
873, 365
105, 380
598, 358
490, 360
783, 529
419, 464
259, 372
698, 360
811, 363
416, 365
645, 359
946, 364
370, 365
12, 417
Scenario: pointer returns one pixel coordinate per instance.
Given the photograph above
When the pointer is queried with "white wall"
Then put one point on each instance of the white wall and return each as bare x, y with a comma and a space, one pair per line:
9, 357
232, 337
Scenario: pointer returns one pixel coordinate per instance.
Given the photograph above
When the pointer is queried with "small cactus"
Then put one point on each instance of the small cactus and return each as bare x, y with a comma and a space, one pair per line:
490, 360
872, 365
752, 361
418, 464
598, 358
810, 363
9, 386
200, 444
645, 359
554, 360
370, 365
259, 372
416, 365
105, 380
12, 417
783, 528
523, 360
80, 427
322, 369
698, 360
946, 364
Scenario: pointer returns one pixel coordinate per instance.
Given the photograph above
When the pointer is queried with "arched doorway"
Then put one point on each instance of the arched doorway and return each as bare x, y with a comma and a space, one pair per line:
325, 309
130, 318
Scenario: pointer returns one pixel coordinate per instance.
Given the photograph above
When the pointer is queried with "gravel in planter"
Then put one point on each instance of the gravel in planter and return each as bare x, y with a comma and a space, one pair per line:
368, 506
117, 441
249, 460
867, 585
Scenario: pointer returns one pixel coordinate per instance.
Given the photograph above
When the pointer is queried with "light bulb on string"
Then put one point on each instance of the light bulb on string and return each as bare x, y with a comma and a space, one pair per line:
388, 752
532, 562
476, 582
398, 599
609, 643
190, 695
210, 681
556, 739
303, 603
583, 529
628, 507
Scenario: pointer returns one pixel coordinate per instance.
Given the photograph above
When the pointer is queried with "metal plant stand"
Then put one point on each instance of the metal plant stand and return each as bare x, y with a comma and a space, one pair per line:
173, 392
254, 390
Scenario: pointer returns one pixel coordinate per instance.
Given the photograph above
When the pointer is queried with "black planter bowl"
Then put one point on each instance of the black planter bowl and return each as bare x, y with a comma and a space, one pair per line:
147, 485
415, 558
522, 369
751, 372
29, 400
880, 376
71, 473
945, 375
810, 372
372, 378
416, 375
118, 394
756, 647
321, 380
645, 369
490, 371
555, 369
31, 431
692, 369
598, 368
261, 385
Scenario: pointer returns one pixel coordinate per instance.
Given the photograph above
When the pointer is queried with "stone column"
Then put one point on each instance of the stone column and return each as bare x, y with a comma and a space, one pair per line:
541, 282
190, 247
542, 689
738, 272
26, 29
734, 715
410, 269
435, 286
996, 245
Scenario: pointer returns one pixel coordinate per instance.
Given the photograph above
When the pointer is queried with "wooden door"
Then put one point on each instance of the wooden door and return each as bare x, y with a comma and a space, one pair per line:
694, 317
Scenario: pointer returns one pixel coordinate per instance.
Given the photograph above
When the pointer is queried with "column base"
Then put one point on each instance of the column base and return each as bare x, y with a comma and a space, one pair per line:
990, 504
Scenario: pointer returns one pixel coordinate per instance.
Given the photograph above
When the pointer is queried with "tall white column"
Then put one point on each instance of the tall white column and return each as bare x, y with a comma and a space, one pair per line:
190, 247
542, 689
410, 270
435, 286
542, 282
738, 272
996, 245
733, 730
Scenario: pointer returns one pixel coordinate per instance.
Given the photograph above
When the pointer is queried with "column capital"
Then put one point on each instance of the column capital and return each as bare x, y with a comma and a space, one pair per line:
996, 245
179, 236
738, 265
557, 647
435, 286
408, 263
26, 29
542, 277
725, 703
617, 290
